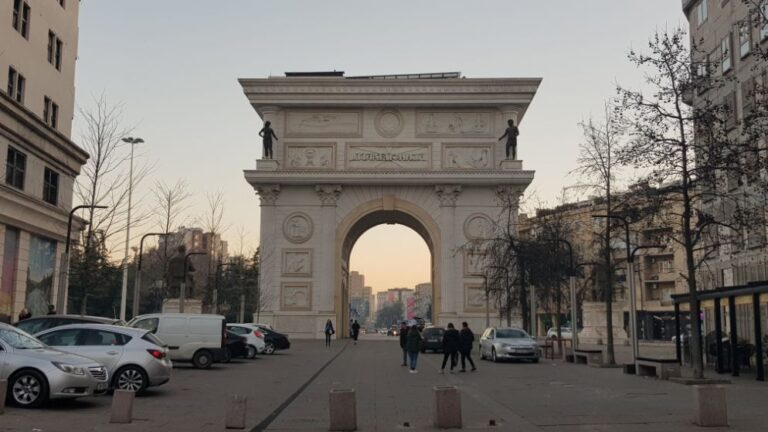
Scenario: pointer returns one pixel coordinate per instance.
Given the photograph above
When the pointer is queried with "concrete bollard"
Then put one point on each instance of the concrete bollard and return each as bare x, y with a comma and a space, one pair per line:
447, 407
122, 406
235, 412
710, 405
343, 410
3, 392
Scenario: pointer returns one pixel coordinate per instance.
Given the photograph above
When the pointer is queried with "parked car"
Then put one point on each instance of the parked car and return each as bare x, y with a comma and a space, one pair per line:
190, 337
274, 341
384, 332
253, 335
565, 333
508, 343
393, 331
37, 324
234, 347
37, 373
135, 358
432, 339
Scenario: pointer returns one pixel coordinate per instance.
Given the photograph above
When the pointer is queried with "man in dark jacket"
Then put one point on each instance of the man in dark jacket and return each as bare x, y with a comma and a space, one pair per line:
450, 347
355, 331
403, 341
466, 340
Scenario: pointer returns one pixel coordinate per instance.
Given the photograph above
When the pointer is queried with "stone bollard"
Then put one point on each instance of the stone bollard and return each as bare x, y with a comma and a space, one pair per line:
343, 410
710, 405
3, 392
122, 406
447, 407
235, 412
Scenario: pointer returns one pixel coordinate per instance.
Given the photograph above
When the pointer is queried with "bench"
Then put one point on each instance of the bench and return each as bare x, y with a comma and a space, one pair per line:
658, 368
550, 344
592, 358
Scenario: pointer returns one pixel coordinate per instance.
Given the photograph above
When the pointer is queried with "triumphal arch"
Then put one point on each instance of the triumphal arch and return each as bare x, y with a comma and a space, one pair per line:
355, 152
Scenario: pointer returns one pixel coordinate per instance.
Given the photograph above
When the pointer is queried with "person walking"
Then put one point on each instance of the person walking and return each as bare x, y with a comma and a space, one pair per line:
329, 331
450, 347
413, 345
466, 340
355, 331
403, 342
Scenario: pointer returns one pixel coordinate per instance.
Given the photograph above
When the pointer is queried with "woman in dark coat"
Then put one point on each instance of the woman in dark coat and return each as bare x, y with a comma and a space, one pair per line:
450, 347
413, 346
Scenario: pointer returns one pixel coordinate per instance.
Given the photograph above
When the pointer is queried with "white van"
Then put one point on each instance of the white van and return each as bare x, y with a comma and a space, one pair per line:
190, 337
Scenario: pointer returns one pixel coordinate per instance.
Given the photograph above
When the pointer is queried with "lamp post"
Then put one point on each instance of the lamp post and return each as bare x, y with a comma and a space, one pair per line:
137, 284
572, 288
124, 292
62, 292
183, 290
215, 297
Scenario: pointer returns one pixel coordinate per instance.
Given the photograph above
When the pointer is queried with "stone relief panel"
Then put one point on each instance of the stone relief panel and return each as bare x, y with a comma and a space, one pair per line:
478, 227
389, 123
442, 124
296, 296
302, 156
298, 227
474, 263
382, 156
474, 298
467, 157
297, 262
338, 124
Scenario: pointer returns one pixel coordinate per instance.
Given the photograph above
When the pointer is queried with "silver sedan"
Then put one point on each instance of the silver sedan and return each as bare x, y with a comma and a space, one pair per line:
136, 359
500, 343
36, 373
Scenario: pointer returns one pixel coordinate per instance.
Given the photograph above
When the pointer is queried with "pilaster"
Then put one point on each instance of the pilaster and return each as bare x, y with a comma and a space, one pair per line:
270, 257
452, 288
324, 296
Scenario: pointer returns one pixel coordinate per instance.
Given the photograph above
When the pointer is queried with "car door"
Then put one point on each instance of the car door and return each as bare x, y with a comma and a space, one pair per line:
103, 346
3, 372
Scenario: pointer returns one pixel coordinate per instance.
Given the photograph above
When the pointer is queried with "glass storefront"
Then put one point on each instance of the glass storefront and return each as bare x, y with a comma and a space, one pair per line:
42, 262
10, 268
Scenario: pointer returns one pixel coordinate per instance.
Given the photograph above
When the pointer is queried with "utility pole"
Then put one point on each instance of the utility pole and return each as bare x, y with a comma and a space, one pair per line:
124, 291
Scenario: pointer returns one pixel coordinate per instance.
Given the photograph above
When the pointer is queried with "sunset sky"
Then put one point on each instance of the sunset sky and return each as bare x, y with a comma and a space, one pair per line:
174, 66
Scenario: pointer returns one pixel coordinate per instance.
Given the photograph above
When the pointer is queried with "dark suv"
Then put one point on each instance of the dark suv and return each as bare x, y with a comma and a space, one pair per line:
432, 339
39, 323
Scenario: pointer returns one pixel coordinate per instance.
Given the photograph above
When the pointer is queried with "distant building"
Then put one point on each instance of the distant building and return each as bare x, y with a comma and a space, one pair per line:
38, 51
360, 296
197, 240
423, 299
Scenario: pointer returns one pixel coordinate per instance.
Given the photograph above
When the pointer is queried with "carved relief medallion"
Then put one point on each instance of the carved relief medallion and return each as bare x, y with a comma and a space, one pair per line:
453, 124
309, 156
478, 227
389, 123
301, 123
297, 228
297, 262
296, 296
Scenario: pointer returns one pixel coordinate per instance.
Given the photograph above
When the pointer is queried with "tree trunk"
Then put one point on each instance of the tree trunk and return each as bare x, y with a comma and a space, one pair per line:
610, 355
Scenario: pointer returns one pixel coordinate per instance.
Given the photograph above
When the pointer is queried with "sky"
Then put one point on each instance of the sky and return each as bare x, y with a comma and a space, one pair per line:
174, 65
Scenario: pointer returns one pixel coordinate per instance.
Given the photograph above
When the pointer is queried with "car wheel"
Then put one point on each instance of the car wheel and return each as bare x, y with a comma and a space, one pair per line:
251, 352
131, 378
493, 355
202, 359
535, 360
28, 389
269, 348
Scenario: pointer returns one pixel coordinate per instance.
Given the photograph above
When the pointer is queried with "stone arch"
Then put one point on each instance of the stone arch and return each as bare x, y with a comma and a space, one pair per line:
387, 209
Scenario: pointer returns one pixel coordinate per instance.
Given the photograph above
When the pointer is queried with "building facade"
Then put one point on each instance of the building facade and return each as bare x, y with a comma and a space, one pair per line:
38, 42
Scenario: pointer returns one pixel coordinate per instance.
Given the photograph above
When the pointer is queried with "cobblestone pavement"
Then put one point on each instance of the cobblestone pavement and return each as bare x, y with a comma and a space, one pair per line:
289, 392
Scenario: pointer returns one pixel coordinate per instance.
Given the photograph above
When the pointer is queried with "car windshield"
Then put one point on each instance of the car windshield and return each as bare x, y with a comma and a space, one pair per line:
19, 339
510, 334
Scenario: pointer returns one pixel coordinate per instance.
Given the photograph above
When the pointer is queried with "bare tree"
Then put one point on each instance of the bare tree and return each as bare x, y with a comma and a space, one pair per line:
598, 165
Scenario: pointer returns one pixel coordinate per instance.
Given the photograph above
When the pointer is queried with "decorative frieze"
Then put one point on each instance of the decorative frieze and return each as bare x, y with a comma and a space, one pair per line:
296, 296
463, 156
392, 156
446, 124
268, 194
297, 262
325, 123
448, 194
475, 298
310, 156
474, 263
328, 194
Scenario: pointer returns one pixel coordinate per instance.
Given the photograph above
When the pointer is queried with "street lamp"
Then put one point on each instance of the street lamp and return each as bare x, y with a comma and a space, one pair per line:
183, 290
61, 296
137, 284
124, 293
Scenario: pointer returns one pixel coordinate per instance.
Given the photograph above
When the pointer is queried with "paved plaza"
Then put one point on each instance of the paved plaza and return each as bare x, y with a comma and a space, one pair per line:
289, 392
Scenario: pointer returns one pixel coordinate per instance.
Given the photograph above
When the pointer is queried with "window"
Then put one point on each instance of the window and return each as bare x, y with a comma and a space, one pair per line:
745, 37
59, 338
21, 13
15, 166
701, 12
104, 338
16, 85
51, 186
55, 47
147, 324
725, 52
41, 265
50, 113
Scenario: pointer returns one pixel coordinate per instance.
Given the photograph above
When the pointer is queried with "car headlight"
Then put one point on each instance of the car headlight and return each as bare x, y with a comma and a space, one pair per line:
505, 346
70, 369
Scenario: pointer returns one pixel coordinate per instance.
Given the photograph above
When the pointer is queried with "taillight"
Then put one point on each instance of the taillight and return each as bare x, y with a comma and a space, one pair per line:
156, 354
258, 334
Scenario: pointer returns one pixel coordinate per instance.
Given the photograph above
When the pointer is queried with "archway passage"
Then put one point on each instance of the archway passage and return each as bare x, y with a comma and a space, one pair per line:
369, 215
390, 277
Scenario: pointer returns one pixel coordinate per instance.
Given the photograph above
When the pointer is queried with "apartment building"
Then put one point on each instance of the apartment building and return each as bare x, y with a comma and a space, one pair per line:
38, 49
730, 39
